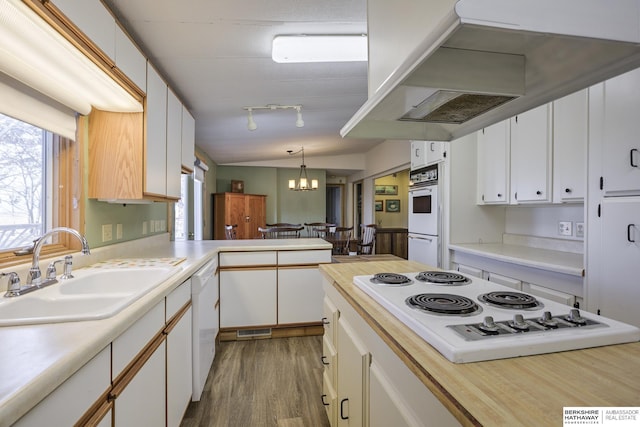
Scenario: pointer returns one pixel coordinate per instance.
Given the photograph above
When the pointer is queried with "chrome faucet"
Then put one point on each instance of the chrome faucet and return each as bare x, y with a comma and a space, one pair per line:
34, 277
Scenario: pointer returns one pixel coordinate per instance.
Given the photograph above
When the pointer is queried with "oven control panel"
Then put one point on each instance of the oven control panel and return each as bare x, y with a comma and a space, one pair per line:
424, 176
489, 328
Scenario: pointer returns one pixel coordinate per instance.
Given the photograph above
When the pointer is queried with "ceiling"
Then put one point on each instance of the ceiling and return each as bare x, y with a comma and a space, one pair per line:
216, 55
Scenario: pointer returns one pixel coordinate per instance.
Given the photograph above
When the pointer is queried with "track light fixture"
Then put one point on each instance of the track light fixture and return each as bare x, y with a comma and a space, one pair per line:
251, 124
303, 183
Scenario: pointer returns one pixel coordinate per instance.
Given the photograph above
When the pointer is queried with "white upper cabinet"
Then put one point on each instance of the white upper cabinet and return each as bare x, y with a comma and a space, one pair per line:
174, 144
129, 59
93, 19
493, 163
425, 153
570, 133
188, 140
531, 145
156, 134
621, 135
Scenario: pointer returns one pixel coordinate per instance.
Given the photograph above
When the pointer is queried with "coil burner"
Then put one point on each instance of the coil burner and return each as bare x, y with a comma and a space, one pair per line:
443, 278
444, 304
391, 279
511, 300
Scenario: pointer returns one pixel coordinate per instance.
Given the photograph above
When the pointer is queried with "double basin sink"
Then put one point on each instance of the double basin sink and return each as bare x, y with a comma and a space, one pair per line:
92, 294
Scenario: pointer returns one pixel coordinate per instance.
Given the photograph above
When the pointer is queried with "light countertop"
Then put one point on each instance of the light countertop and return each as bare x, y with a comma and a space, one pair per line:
551, 260
35, 359
507, 392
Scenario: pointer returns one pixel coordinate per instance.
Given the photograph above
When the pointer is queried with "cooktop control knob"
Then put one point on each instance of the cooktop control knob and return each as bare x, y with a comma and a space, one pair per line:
489, 326
519, 323
575, 317
547, 320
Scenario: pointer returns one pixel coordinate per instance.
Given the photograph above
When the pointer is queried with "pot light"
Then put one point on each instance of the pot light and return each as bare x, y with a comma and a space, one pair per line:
319, 48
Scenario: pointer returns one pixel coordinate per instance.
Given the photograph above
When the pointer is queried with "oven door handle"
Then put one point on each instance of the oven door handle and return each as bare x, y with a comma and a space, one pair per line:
422, 238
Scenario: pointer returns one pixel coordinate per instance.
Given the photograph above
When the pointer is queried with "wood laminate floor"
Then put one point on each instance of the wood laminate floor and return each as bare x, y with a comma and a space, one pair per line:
263, 383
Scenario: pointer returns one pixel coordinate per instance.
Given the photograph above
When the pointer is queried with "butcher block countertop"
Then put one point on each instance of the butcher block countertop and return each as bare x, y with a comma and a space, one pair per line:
529, 390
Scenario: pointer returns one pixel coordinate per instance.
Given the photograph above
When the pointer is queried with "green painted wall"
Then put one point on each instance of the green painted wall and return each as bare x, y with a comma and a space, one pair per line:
283, 205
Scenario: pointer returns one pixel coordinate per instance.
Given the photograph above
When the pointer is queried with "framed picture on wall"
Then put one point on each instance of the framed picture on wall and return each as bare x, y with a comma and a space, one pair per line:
387, 190
379, 206
392, 205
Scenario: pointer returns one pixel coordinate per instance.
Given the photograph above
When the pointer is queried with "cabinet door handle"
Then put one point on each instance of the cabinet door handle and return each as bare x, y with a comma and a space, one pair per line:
431, 147
499, 194
629, 228
633, 150
342, 409
567, 190
323, 402
417, 150
323, 359
325, 321
538, 192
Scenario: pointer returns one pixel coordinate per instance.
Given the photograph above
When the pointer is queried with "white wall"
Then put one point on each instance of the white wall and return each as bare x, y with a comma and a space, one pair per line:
542, 221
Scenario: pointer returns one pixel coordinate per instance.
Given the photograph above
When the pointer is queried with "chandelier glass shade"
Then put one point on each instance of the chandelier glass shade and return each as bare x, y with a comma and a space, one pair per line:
303, 183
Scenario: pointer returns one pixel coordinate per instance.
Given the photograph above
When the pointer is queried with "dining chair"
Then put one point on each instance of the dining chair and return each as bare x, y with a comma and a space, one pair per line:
230, 231
317, 229
280, 232
340, 238
367, 239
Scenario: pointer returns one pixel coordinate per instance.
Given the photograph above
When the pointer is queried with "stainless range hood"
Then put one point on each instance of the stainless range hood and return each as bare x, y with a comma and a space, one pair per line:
489, 60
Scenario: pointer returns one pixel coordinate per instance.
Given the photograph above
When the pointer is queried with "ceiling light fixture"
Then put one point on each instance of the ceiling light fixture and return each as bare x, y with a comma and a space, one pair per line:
319, 48
251, 124
302, 184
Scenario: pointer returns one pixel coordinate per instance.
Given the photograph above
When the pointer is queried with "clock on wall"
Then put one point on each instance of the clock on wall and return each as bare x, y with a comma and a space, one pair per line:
237, 186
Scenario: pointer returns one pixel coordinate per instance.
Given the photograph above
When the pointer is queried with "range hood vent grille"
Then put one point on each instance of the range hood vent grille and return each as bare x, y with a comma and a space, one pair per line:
454, 107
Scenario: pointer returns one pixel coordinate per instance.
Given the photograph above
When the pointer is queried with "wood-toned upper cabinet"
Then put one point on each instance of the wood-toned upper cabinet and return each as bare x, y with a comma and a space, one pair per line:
248, 211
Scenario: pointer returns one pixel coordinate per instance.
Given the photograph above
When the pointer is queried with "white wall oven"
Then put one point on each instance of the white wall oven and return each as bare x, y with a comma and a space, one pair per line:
424, 216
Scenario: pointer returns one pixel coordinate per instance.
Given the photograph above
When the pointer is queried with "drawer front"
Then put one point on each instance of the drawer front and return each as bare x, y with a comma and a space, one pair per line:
330, 400
329, 360
178, 298
240, 259
329, 320
304, 257
128, 345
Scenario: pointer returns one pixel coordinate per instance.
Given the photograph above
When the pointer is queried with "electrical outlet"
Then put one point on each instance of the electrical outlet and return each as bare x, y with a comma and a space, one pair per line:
565, 228
158, 226
152, 226
163, 225
145, 225
107, 232
579, 229
118, 231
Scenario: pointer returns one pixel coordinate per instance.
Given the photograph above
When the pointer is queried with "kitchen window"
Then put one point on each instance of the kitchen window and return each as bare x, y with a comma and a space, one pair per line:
39, 184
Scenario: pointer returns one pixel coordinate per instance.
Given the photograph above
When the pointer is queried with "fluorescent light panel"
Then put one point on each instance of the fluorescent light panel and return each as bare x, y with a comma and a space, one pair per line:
319, 48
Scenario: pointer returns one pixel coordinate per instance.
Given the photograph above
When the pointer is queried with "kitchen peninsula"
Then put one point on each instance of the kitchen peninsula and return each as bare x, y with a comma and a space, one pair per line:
37, 359
529, 390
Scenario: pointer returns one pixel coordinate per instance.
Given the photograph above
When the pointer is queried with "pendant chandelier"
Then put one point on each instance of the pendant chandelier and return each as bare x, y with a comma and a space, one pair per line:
303, 183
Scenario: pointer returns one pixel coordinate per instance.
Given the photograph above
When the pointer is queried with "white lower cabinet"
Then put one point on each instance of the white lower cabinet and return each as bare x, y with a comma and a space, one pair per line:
142, 402
353, 378
248, 297
387, 407
299, 294
373, 385
552, 294
76, 395
179, 349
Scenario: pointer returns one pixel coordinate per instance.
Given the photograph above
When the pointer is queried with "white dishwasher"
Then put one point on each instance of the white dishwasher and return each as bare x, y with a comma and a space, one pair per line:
204, 300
